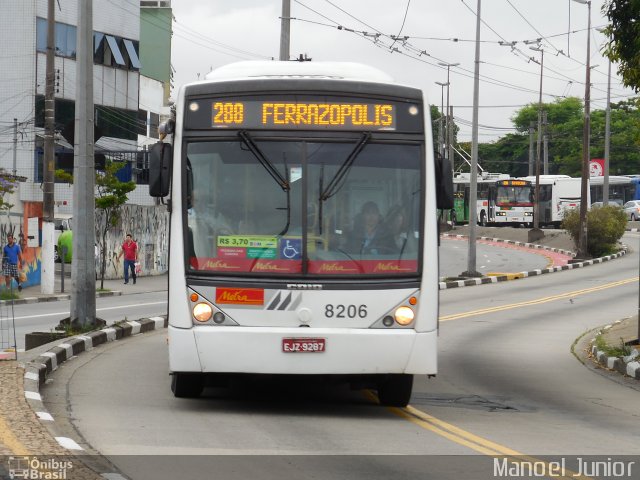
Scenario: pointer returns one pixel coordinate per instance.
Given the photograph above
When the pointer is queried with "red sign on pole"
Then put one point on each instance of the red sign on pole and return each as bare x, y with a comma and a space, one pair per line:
596, 167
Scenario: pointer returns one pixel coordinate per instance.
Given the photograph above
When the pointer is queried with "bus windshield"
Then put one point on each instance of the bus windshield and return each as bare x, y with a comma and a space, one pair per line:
514, 195
304, 208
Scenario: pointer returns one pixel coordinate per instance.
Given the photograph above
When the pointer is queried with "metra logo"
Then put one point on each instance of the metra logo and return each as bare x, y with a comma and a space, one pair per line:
219, 265
390, 267
335, 267
268, 267
240, 296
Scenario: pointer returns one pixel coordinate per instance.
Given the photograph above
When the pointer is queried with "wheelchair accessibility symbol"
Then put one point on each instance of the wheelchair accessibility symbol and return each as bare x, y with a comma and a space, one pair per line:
291, 248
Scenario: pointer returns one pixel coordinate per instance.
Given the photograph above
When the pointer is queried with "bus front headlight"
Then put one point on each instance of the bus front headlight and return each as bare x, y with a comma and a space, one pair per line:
202, 312
404, 315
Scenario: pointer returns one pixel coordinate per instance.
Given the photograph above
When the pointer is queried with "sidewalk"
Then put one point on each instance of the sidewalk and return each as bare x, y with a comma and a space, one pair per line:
144, 284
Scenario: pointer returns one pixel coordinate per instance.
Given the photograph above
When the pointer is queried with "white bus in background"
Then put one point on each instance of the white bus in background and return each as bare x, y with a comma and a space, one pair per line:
621, 189
558, 193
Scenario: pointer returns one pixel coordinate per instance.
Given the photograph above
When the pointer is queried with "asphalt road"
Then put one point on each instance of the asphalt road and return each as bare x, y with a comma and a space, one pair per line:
489, 258
508, 384
43, 317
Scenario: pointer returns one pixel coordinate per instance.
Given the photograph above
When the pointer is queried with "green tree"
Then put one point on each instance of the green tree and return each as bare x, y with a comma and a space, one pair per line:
7, 186
623, 32
625, 137
509, 154
111, 195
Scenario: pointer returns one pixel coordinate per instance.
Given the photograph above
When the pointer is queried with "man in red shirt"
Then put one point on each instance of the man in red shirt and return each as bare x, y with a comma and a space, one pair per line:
130, 252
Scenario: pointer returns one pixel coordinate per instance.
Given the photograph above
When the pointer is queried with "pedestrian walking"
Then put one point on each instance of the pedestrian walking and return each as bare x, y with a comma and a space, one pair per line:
130, 252
11, 260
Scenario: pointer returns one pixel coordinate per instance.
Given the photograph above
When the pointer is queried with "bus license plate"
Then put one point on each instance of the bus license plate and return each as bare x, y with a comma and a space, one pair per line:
303, 345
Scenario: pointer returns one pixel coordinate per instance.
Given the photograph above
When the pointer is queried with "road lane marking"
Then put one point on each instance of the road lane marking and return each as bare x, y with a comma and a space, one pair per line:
538, 301
97, 310
479, 444
474, 442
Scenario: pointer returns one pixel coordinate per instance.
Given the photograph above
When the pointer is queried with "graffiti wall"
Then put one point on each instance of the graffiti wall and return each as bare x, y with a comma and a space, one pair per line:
13, 224
149, 227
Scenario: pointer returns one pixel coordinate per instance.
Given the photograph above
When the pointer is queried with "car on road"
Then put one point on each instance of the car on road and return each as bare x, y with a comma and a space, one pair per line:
632, 210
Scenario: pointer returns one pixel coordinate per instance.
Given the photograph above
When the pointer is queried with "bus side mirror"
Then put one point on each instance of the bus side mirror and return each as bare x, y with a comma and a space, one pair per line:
160, 169
444, 184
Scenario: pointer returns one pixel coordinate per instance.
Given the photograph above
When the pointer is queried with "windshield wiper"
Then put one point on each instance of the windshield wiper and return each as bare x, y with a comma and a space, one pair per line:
332, 186
264, 161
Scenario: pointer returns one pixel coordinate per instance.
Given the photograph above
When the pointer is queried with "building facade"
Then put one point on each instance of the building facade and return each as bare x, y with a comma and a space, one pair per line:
129, 102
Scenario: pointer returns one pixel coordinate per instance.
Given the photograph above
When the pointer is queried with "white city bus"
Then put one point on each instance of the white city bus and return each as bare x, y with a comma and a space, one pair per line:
558, 193
303, 227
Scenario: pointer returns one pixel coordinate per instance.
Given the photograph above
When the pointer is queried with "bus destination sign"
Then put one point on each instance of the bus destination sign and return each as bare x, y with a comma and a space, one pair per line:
281, 114
314, 114
513, 183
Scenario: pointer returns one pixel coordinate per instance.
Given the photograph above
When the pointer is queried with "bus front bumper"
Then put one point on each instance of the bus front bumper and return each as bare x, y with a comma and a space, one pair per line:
261, 350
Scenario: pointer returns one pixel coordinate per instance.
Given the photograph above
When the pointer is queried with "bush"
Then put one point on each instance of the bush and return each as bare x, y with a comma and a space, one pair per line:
605, 226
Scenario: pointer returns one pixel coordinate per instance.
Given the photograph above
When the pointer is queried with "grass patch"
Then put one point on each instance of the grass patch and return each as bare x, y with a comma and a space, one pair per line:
613, 351
8, 295
70, 329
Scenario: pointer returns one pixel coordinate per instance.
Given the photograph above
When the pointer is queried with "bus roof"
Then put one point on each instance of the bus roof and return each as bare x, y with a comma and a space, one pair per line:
613, 180
317, 70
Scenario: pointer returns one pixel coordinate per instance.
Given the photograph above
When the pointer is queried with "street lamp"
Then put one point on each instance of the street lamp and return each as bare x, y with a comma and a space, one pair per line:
536, 233
582, 237
449, 132
441, 131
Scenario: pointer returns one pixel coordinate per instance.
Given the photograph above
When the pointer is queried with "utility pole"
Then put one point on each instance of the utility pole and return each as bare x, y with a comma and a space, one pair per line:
473, 187
531, 155
450, 136
441, 130
285, 28
48, 228
584, 190
536, 233
607, 142
545, 143
83, 268
15, 146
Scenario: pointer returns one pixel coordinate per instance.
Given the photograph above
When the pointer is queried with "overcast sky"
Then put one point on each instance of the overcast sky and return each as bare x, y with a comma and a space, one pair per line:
208, 34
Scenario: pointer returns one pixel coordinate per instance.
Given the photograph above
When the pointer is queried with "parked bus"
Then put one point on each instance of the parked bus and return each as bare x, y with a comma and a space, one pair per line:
512, 203
500, 200
558, 193
303, 227
622, 189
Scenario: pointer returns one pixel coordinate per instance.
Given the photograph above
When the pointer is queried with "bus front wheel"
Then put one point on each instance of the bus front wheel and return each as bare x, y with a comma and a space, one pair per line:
187, 385
395, 390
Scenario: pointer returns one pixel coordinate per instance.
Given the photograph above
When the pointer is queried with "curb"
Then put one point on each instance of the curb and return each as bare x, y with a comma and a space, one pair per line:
55, 298
629, 366
515, 276
37, 370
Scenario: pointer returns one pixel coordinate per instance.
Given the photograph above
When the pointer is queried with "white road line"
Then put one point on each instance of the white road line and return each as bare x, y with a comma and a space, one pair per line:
97, 310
